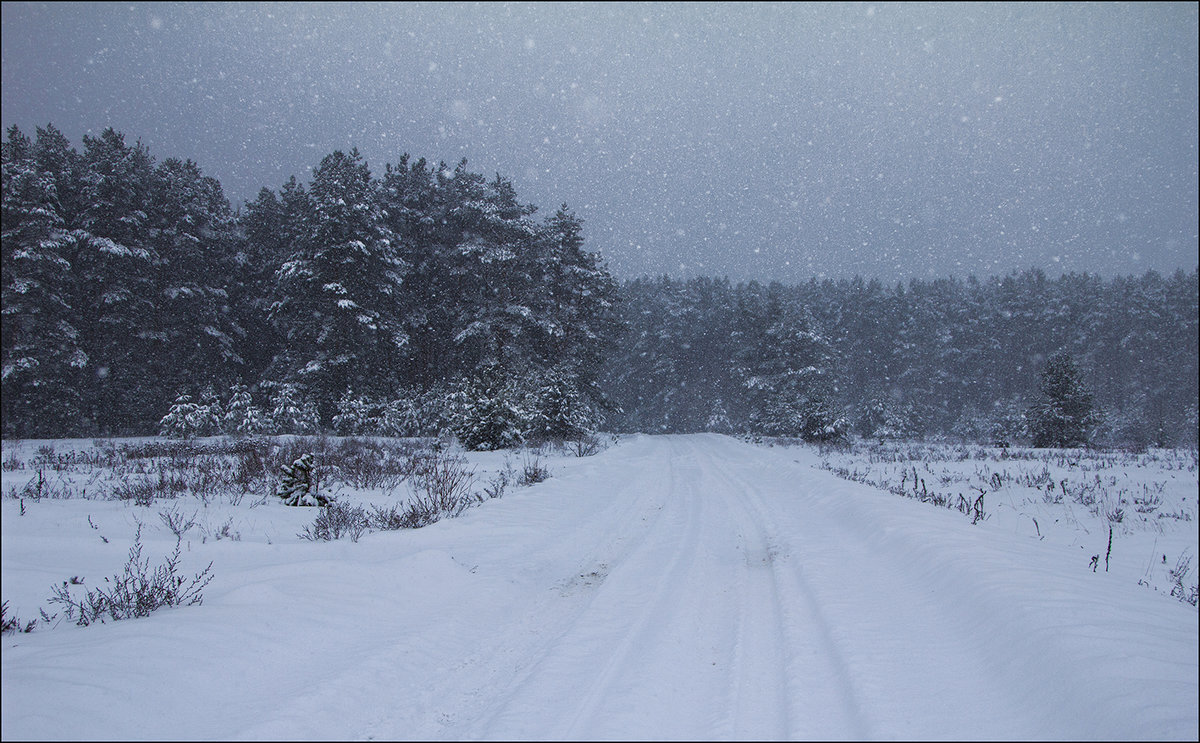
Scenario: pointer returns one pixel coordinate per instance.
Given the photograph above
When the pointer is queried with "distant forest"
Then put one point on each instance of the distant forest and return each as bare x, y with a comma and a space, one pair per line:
429, 298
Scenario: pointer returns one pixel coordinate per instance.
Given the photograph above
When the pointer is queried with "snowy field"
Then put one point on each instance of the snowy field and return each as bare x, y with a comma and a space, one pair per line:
679, 587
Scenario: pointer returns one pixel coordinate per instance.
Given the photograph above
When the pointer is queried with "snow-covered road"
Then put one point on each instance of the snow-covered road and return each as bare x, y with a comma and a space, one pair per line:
690, 587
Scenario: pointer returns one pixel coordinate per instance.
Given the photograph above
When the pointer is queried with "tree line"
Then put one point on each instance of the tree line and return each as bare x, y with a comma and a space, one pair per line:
429, 297
131, 285
963, 359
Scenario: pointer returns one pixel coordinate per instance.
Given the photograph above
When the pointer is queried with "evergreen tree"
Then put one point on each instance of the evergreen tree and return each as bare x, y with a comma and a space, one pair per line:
338, 302
292, 411
417, 202
264, 245
557, 409
42, 352
573, 300
114, 284
486, 412
647, 380
297, 485
192, 236
357, 415
242, 416
490, 267
786, 371
184, 420
1064, 415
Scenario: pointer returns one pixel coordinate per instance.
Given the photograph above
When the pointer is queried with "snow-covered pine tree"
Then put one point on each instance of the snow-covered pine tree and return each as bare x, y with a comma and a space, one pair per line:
242, 416
786, 368
433, 411
718, 419
267, 228
213, 412
883, 418
297, 485
1007, 424
292, 412
338, 301
356, 415
191, 233
486, 412
418, 200
1065, 413
113, 267
573, 305
490, 265
398, 417
557, 409
185, 419
40, 340
647, 377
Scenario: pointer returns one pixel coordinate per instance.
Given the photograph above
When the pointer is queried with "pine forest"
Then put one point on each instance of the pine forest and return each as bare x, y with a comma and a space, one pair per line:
426, 298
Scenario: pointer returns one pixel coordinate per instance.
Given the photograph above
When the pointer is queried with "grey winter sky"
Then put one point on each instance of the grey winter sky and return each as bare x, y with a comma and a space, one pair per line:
768, 141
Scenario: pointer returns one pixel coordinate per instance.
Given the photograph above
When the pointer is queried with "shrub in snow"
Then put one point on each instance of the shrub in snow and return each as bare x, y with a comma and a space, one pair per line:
136, 592
1179, 588
498, 484
587, 446
176, 522
442, 486
370, 463
297, 487
14, 624
533, 472
391, 518
335, 521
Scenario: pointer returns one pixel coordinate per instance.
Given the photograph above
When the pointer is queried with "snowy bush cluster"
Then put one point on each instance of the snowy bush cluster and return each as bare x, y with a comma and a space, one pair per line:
136, 592
485, 412
287, 412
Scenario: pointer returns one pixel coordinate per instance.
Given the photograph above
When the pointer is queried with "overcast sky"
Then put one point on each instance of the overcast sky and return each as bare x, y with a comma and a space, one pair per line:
767, 141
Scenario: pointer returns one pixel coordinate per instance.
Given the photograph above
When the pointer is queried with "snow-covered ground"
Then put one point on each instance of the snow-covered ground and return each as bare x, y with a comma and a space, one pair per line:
683, 587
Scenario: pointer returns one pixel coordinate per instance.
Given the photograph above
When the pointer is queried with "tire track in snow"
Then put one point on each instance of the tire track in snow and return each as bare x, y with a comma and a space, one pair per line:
757, 688
920, 659
782, 675
470, 679
636, 500
812, 686
618, 662
549, 687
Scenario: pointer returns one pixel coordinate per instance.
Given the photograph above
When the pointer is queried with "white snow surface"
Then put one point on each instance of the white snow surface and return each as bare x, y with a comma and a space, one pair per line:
674, 587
